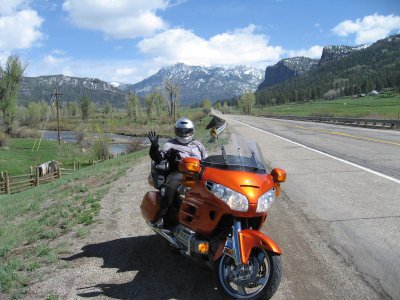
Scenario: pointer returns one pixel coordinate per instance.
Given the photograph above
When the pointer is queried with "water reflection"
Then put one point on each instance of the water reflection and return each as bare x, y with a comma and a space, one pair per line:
118, 142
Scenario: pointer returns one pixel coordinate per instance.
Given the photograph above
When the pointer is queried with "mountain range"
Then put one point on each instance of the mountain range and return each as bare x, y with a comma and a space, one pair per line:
195, 84
299, 75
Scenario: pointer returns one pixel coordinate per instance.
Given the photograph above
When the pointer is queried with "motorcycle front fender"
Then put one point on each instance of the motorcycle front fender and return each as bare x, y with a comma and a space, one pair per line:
249, 239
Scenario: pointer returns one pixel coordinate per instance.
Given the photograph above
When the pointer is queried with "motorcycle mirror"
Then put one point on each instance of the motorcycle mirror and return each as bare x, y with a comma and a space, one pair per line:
278, 175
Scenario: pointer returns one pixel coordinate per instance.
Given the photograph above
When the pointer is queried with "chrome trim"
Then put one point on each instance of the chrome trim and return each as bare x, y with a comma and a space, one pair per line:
236, 228
167, 234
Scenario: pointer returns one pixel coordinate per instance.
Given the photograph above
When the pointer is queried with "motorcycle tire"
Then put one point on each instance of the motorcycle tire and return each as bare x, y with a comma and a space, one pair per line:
257, 286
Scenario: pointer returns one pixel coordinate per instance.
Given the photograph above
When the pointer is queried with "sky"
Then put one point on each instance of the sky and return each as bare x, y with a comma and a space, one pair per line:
130, 40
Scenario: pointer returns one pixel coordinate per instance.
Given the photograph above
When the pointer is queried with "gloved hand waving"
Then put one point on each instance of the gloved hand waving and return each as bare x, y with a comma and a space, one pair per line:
153, 137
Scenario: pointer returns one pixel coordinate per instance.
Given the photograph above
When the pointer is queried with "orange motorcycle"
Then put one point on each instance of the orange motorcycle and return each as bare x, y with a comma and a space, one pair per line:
217, 216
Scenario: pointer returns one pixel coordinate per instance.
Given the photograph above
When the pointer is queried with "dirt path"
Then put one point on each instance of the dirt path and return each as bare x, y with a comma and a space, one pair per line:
122, 258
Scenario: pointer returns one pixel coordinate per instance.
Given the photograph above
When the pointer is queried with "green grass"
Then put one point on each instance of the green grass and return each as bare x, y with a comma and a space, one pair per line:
18, 156
30, 220
386, 106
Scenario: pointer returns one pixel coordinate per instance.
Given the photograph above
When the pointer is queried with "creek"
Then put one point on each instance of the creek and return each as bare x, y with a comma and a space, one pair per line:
118, 142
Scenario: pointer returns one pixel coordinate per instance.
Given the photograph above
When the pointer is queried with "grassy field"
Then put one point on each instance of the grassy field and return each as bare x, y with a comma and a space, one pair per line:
18, 156
386, 106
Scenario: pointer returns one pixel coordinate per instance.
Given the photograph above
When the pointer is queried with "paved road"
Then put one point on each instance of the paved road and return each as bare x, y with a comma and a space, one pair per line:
349, 201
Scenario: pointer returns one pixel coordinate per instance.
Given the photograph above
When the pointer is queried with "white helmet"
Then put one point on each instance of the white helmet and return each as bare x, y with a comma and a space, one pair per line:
184, 130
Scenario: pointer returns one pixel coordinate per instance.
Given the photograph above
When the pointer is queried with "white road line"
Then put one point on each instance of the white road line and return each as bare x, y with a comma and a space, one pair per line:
323, 153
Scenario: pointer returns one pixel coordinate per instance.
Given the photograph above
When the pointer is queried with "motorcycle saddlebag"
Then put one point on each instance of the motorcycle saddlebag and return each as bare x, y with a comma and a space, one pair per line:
150, 206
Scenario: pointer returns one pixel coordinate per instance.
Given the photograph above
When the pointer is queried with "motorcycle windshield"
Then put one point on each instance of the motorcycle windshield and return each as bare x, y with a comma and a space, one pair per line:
240, 154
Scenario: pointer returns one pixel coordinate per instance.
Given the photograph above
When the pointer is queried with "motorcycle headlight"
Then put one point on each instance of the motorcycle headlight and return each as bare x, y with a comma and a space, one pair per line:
265, 201
235, 200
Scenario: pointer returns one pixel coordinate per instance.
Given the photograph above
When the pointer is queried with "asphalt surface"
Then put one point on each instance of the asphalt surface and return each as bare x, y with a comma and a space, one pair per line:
344, 185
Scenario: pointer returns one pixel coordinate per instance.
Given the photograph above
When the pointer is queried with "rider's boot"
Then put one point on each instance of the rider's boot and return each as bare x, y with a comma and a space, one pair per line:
160, 222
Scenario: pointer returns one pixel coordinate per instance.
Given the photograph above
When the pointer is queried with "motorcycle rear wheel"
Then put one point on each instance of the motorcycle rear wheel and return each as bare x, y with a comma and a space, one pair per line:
261, 282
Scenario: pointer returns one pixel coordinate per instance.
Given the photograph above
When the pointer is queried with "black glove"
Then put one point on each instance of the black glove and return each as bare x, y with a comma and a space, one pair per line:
153, 137
173, 156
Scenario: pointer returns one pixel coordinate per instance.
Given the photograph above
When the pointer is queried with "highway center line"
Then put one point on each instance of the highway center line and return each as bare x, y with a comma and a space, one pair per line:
323, 153
337, 133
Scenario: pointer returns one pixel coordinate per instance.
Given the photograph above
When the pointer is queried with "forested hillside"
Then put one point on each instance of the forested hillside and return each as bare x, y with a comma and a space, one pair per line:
375, 67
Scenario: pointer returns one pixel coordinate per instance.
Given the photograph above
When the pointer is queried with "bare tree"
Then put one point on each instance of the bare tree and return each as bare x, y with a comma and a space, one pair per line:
133, 106
173, 93
151, 104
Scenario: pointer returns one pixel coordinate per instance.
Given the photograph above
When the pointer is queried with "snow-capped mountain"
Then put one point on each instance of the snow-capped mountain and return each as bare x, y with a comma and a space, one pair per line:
330, 53
41, 88
197, 83
286, 69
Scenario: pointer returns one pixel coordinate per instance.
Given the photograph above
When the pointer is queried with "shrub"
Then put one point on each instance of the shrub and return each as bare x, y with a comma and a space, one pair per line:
80, 137
101, 148
3, 139
25, 132
134, 146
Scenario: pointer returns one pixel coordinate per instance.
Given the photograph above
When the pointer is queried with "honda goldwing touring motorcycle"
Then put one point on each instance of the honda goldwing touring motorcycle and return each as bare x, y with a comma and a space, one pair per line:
217, 216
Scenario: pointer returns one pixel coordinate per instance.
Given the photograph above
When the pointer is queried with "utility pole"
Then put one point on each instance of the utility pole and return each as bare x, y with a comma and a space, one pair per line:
55, 95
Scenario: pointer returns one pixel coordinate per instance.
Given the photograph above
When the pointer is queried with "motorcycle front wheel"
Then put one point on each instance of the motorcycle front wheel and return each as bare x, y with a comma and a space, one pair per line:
259, 280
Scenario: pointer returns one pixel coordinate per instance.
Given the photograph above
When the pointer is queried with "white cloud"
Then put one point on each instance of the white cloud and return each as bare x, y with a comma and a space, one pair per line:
124, 71
8, 7
20, 30
318, 27
369, 29
312, 52
3, 57
54, 60
117, 19
242, 46
128, 71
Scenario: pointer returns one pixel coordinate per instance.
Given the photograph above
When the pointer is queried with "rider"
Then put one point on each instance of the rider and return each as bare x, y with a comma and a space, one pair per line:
183, 145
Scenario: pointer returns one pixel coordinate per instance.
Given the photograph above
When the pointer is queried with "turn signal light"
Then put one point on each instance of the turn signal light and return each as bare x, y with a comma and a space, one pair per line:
189, 165
203, 248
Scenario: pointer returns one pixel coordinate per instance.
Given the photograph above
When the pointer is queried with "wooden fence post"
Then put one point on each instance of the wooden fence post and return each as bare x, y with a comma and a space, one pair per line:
74, 165
58, 171
7, 183
37, 176
79, 165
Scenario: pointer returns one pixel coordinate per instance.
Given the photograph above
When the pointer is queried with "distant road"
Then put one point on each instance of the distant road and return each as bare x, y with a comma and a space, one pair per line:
378, 150
339, 220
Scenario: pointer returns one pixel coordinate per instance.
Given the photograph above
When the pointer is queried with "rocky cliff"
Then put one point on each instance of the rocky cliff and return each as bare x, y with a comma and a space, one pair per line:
287, 68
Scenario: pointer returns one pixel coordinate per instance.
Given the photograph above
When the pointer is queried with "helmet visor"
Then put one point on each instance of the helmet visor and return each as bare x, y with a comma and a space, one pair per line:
184, 132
